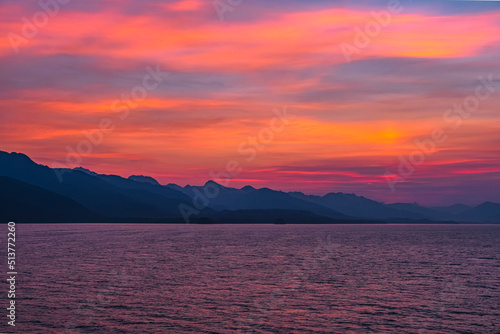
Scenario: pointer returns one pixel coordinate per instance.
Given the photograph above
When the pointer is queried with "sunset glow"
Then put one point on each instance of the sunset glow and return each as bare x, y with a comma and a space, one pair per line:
180, 92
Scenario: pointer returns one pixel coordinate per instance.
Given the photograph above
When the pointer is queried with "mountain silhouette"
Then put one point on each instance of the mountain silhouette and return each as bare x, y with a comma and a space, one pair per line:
455, 209
487, 212
357, 206
38, 193
142, 178
23, 202
249, 198
105, 195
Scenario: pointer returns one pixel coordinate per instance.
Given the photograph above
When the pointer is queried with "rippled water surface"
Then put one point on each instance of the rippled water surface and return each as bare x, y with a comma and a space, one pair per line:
257, 279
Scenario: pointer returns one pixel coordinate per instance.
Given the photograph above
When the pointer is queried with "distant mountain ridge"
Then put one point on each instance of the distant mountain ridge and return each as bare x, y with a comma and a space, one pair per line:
105, 195
41, 194
249, 198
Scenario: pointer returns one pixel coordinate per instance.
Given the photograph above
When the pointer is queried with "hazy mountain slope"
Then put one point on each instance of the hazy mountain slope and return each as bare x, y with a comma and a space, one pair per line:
24, 203
486, 212
269, 216
455, 209
420, 210
250, 198
357, 206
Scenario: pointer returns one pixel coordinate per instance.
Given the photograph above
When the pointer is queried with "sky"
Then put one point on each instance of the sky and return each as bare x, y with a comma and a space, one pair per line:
397, 101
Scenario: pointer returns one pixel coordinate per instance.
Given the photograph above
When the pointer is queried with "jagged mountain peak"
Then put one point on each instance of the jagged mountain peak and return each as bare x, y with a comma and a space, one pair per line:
85, 170
144, 179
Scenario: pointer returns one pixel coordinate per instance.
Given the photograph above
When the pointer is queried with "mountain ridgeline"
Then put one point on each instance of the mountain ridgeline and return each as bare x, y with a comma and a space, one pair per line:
35, 193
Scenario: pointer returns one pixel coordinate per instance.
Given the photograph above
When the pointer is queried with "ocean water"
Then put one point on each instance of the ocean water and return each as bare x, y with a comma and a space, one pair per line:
177, 279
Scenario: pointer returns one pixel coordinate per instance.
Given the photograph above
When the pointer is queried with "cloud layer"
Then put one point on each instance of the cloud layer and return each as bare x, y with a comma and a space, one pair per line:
67, 68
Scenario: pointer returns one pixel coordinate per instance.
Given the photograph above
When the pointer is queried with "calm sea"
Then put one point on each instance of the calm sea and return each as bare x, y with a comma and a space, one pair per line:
256, 279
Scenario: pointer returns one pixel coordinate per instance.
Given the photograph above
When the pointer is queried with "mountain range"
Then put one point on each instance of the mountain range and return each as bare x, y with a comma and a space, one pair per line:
36, 193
